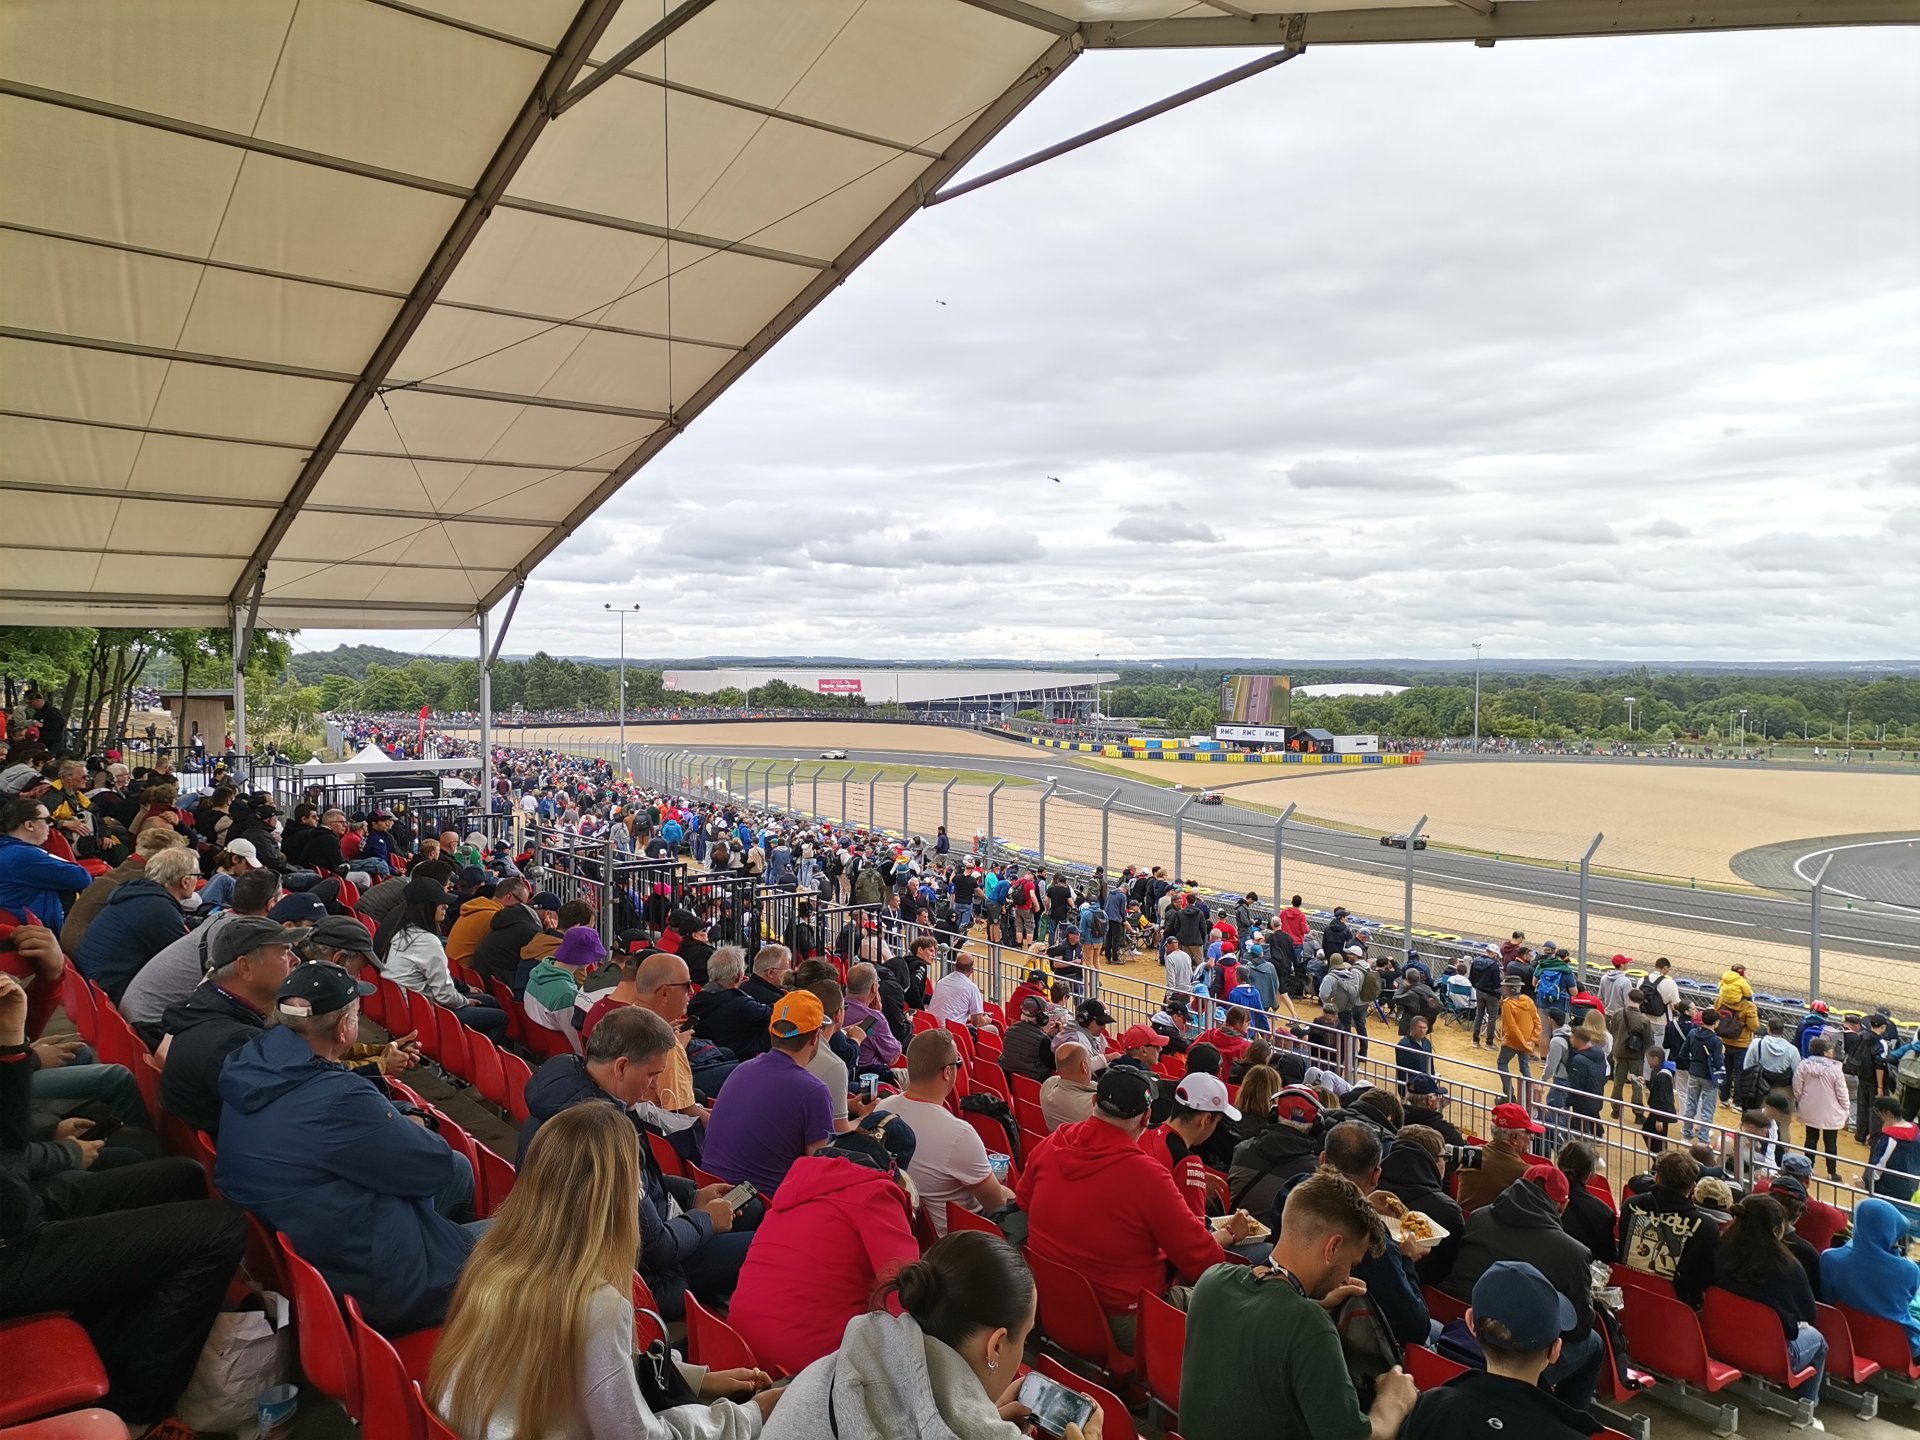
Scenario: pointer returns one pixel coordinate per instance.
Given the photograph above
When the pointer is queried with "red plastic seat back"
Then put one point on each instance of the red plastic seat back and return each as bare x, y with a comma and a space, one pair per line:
493, 1181
1070, 1315
51, 1366
1429, 1369
385, 1387
961, 1218
714, 1343
1844, 1361
73, 1425
432, 1427
326, 1349
518, 1074
488, 1076
1746, 1334
1025, 1088
1663, 1335
1881, 1340
1160, 1345
455, 1044
1116, 1423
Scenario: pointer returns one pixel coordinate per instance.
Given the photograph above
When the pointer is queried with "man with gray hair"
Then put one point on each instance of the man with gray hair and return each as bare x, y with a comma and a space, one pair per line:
303, 1141
881, 1047
170, 977
724, 1013
771, 968
252, 958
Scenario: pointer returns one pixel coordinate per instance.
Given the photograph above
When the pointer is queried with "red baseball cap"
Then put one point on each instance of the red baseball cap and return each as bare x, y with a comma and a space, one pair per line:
1138, 1036
1553, 1181
1515, 1117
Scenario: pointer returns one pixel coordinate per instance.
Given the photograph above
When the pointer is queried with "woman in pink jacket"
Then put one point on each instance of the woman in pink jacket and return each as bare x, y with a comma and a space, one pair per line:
1820, 1097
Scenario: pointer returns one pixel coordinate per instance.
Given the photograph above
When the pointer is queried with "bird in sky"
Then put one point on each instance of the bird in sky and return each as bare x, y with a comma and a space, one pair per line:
939, 302
1054, 478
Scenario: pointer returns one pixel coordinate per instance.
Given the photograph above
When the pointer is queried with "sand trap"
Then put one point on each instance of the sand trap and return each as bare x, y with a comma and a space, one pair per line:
1683, 820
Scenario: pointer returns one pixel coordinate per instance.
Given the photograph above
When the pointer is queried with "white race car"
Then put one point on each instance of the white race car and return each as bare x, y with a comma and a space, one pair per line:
833, 754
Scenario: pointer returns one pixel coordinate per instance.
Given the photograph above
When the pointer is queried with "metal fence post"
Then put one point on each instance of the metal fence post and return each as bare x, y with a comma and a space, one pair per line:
1041, 841
1586, 866
1279, 847
1180, 839
608, 900
1813, 929
873, 816
766, 786
814, 809
946, 792
990, 794
845, 817
906, 813
1106, 827
1413, 837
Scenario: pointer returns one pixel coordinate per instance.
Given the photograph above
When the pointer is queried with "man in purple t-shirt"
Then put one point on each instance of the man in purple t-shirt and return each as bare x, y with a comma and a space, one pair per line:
772, 1110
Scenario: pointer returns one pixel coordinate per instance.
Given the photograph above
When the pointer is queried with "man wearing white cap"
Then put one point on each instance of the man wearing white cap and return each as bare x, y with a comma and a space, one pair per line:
1199, 1102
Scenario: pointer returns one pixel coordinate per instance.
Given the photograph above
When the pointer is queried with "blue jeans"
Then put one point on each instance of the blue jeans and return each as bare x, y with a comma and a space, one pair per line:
372, 865
963, 915
1699, 1099
1504, 1063
1808, 1347
1575, 1376
113, 1085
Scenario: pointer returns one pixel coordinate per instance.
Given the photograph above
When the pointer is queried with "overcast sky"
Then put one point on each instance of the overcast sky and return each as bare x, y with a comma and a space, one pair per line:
1605, 349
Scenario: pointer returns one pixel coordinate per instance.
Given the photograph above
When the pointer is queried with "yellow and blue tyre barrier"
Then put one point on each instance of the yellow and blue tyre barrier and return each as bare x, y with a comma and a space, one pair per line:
1139, 748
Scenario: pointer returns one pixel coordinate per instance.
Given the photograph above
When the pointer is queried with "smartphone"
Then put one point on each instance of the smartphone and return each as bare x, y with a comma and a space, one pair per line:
104, 1126
1054, 1406
738, 1197
869, 1087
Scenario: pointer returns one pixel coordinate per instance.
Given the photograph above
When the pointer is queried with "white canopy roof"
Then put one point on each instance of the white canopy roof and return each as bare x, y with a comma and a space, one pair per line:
360, 302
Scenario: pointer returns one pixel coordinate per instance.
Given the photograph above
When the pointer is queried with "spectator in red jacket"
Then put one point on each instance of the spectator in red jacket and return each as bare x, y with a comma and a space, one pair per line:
1097, 1202
31, 954
1231, 1039
839, 1222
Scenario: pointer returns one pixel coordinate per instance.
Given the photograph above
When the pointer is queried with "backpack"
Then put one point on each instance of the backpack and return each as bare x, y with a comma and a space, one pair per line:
1369, 986
1633, 1041
985, 1102
1728, 1026
1908, 1073
1550, 990
1097, 925
1342, 989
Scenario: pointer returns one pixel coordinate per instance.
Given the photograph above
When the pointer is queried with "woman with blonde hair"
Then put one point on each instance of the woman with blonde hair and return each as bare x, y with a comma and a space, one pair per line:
539, 1340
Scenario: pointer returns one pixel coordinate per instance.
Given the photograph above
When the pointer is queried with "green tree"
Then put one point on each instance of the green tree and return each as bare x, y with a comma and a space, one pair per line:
387, 691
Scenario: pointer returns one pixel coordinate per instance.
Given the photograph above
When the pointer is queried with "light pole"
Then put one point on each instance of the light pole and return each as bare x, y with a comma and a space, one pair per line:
1630, 701
621, 611
1476, 699
1741, 742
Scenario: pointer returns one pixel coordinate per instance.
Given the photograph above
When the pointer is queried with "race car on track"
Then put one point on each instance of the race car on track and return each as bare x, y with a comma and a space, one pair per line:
1209, 797
833, 754
1399, 842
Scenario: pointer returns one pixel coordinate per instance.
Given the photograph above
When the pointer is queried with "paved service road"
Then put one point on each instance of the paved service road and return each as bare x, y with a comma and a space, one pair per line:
1888, 932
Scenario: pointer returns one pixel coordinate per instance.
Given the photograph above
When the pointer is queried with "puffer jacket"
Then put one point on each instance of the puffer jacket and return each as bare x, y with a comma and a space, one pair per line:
140, 920
1820, 1095
207, 1027
1736, 994
1263, 1163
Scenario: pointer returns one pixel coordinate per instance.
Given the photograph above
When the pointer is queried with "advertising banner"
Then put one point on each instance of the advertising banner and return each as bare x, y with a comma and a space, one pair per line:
1252, 734
829, 686
1256, 699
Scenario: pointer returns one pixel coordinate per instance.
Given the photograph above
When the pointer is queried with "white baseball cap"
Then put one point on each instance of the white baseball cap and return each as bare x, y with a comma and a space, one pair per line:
244, 849
1206, 1093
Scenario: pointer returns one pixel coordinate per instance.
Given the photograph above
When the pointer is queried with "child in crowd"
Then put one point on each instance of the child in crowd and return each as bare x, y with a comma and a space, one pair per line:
1654, 1123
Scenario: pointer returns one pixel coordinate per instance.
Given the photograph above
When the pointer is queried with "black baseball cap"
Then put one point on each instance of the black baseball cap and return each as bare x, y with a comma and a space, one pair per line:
343, 932
544, 900
305, 909
1124, 1092
319, 989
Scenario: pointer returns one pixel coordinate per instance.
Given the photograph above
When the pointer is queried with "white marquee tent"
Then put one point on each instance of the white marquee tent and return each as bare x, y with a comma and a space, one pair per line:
348, 312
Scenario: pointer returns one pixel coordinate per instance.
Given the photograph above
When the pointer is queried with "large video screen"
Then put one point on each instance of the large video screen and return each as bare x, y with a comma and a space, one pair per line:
1256, 700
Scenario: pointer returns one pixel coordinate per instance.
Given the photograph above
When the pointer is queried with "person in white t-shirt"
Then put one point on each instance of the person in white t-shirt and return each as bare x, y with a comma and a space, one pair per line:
956, 997
828, 1068
949, 1158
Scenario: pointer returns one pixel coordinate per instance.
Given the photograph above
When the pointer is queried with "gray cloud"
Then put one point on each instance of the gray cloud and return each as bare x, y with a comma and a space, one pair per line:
1665, 529
1353, 475
1164, 531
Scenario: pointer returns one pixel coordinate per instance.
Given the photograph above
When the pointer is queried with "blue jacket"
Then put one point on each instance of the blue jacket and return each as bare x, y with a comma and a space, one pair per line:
31, 879
1705, 1056
1870, 1273
139, 920
318, 1152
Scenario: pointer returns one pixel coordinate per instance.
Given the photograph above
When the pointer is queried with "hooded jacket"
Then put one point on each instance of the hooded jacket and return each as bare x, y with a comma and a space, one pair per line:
888, 1381
671, 1229
319, 1153
832, 1229
1668, 1235
32, 879
1524, 1224
1820, 1094
473, 926
1519, 1024
207, 1027
1264, 1163
1097, 1202
1260, 971
732, 1019
1412, 1175
1736, 994
496, 956
139, 921
1870, 1273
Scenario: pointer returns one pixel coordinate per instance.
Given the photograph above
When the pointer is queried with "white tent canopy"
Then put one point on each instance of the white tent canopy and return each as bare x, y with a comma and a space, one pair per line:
348, 312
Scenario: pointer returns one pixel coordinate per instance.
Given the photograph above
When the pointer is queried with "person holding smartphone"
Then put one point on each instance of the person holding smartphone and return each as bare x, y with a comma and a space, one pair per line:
967, 1308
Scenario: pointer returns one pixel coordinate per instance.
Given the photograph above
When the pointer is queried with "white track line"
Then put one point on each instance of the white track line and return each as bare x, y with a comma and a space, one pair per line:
1857, 845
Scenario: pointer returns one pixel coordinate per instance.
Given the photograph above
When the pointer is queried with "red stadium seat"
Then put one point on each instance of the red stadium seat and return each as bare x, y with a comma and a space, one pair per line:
1845, 1363
961, 1218
647, 1326
432, 1427
1026, 1088
493, 1179
993, 1134
923, 1232
1883, 1341
1663, 1336
1443, 1307
1747, 1335
1071, 1317
326, 1349
387, 1371
1627, 1278
714, 1343
488, 1075
1598, 1188
51, 1366
1115, 1421
986, 1075
74, 1425
670, 1160
1430, 1369
77, 1000
518, 1074
456, 1042
1160, 1345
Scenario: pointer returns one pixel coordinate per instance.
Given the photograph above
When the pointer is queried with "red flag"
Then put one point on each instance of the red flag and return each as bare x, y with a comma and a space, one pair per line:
423, 728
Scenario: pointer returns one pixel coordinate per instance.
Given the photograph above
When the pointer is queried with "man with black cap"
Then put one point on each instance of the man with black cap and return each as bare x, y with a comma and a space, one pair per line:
1029, 1041
1097, 1202
170, 977
1518, 1318
1091, 1022
318, 1152
252, 957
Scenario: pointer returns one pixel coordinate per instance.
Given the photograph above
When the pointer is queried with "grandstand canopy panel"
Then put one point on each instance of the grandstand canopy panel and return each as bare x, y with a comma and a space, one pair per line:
363, 306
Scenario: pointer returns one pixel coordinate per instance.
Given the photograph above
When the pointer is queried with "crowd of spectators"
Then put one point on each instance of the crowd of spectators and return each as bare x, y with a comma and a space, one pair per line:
866, 1227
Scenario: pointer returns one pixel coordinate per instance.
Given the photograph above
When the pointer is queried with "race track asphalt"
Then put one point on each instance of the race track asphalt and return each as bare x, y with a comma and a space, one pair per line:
1869, 928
